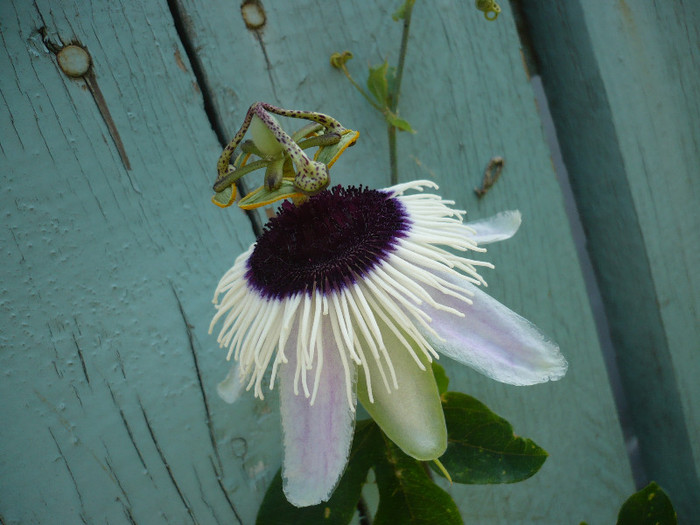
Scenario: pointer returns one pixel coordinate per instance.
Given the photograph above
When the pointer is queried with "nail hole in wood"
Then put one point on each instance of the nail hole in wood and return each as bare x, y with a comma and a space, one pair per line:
253, 14
73, 60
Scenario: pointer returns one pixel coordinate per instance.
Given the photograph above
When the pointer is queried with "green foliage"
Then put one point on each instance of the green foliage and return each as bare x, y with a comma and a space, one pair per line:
381, 84
440, 377
481, 446
378, 83
400, 13
481, 449
408, 495
649, 506
399, 123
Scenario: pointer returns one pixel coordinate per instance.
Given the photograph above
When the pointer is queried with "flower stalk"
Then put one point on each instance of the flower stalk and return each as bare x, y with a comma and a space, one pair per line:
384, 83
395, 90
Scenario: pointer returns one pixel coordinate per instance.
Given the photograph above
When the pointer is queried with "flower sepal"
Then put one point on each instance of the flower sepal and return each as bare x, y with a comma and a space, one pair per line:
411, 415
264, 196
282, 155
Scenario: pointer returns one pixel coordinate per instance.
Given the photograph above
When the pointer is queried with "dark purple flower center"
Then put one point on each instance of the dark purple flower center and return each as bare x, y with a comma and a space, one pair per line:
328, 242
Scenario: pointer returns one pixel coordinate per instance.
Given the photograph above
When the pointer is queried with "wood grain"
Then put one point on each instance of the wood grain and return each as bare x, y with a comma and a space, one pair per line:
623, 83
112, 251
108, 374
469, 97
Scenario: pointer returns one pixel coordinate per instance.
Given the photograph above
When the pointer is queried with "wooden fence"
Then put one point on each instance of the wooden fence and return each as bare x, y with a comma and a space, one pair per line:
112, 249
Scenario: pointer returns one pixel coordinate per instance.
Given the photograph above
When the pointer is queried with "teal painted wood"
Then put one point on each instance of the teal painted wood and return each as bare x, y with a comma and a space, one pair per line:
107, 277
467, 94
623, 83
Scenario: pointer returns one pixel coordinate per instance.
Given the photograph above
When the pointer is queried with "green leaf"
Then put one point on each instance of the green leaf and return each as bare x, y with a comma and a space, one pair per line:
440, 377
399, 123
407, 495
649, 506
339, 510
377, 83
481, 446
400, 13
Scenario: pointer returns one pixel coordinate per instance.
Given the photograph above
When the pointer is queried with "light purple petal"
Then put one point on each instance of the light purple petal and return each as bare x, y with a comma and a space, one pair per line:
500, 227
317, 438
494, 340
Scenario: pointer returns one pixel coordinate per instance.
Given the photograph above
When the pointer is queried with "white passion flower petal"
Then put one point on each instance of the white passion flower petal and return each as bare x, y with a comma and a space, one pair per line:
231, 387
493, 339
500, 227
369, 283
317, 438
411, 416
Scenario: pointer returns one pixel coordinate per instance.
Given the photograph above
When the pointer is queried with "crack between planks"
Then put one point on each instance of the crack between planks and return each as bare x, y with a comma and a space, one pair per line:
72, 476
190, 336
631, 429
166, 464
82, 360
223, 489
129, 431
258, 36
203, 496
128, 514
527, 48
114, 476
183, 33
205, 399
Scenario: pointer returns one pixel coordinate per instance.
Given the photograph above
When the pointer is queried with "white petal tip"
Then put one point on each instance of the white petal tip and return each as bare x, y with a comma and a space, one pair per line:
549, 365
558, 369
230, 388
301, 498
228, 394
500, 227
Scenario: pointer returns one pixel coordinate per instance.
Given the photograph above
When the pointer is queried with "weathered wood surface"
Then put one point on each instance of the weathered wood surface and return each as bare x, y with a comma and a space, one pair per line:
107, 371
108, 375
623, 83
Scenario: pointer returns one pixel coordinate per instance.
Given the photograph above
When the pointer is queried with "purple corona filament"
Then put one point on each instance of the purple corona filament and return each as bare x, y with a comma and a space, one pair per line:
326, 243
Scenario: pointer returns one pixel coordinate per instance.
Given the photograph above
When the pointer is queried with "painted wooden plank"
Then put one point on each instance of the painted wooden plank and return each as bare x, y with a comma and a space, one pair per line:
623, 82
467, 94
108, 374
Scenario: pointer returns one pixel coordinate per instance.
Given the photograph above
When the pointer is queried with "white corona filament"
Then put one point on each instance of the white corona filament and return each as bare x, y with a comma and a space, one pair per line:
258, 330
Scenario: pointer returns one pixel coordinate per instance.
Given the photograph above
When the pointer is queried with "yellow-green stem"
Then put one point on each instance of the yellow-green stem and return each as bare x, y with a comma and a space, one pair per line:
395, 92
